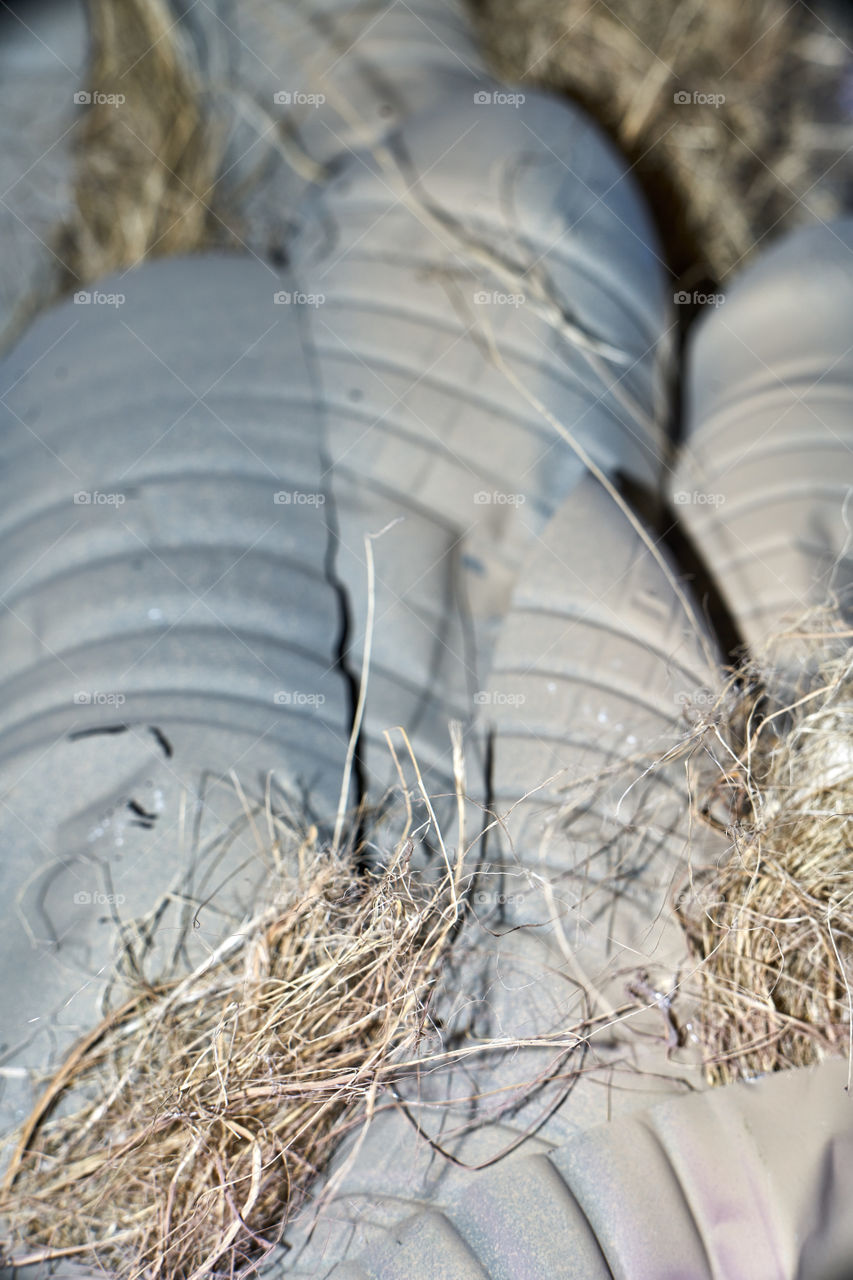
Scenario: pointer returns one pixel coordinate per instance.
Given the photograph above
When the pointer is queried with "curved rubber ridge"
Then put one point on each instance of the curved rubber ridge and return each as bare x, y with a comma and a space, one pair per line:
562, 919
643, 1198
596, 661
372, 64
178, 543
291, 89
595, 664
765, 480
409, 355
473, 226
169, 622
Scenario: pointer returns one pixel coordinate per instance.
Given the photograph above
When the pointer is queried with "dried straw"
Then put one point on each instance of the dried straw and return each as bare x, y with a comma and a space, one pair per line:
210, 1102
145, 172
771, 929
182, 1134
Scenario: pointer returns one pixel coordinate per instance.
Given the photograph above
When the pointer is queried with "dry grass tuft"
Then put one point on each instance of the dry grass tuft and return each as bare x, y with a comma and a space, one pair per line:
209, 1103
145, 170
772, 928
